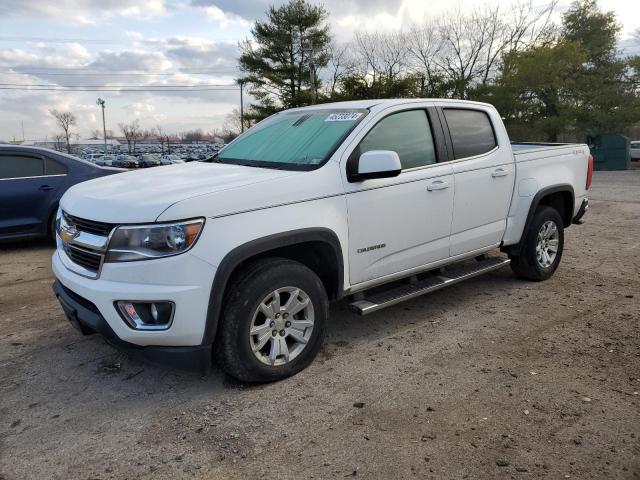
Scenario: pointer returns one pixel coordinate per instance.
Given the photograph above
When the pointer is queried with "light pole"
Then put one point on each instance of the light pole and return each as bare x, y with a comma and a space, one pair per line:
101, 102
241, 82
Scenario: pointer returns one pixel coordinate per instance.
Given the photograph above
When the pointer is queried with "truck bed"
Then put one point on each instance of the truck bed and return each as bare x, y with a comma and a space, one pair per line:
525, 151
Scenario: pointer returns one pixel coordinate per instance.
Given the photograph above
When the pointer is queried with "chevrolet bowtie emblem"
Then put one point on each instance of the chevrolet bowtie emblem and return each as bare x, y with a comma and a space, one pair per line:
68, 233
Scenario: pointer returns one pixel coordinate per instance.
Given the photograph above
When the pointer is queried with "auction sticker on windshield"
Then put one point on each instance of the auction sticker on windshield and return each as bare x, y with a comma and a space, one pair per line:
343, 117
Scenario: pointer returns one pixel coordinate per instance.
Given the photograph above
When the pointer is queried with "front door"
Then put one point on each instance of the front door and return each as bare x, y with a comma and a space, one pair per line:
400, 223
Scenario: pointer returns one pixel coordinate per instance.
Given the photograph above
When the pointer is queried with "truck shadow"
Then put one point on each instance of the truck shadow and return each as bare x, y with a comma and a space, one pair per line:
99, 370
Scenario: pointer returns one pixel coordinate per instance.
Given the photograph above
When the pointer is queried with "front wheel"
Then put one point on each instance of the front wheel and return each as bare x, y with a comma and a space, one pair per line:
542, 248
273, 321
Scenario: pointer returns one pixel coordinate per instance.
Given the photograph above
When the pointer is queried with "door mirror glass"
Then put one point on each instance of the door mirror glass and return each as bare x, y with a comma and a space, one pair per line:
377, 164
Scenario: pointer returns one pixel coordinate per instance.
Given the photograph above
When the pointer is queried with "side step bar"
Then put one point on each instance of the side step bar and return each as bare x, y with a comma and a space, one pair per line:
397, 294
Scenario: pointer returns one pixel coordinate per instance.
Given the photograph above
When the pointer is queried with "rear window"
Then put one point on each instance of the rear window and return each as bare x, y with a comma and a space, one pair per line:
55, 168
20, 166
471, 132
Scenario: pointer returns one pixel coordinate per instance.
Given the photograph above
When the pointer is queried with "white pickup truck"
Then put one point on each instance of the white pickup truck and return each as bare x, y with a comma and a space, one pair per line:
378, 201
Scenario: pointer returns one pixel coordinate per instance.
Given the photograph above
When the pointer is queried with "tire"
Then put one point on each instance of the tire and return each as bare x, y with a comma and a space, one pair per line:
528, 264
244, 308
52, 227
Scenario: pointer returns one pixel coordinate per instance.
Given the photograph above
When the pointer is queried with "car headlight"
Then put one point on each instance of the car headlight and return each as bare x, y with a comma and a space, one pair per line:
144, 242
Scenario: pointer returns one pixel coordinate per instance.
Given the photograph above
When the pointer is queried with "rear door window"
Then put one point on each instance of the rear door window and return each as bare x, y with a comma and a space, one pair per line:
471, 132
20, 166
54, 168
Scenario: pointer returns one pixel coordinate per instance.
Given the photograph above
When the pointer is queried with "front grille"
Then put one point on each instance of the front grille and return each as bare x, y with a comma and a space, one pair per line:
91, 226
85, 258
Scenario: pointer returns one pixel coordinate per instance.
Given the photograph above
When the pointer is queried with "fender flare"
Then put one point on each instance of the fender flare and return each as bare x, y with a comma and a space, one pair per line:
255, 247
565, 187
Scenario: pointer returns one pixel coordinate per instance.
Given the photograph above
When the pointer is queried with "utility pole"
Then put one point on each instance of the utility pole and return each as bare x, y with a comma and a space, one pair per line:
101, 102
312, 76
241, 82
22, 123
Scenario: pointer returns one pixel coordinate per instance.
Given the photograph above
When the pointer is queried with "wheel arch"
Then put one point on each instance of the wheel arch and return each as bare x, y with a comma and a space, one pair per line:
561, 197
317, 248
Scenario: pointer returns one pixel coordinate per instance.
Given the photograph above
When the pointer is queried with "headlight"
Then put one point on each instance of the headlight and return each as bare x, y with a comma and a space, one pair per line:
144, 242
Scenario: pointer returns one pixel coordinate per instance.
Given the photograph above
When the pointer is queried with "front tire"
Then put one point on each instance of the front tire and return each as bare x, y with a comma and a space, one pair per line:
542, 248
273, 321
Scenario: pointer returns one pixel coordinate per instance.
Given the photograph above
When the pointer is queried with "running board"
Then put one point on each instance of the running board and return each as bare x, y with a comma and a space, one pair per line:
395, 295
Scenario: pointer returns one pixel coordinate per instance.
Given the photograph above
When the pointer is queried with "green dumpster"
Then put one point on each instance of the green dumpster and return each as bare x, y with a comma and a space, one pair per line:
610, 151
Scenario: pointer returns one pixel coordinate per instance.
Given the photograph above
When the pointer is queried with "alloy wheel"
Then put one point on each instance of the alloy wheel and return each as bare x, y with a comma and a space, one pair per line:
281, 326
547, 244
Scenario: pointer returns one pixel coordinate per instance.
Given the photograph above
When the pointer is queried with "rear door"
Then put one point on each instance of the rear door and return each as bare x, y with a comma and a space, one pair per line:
29, 186
401, 223
484, 176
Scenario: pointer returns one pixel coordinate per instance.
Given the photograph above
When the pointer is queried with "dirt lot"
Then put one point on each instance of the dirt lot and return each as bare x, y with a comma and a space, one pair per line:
495, 378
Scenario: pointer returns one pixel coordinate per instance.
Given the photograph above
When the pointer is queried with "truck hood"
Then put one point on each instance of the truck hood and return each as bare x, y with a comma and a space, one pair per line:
141, 196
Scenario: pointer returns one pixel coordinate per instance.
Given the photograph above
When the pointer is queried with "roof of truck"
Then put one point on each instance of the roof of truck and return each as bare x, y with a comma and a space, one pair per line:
381, 102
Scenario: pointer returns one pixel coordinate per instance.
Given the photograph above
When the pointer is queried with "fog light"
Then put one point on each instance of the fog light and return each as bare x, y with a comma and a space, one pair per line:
146, 315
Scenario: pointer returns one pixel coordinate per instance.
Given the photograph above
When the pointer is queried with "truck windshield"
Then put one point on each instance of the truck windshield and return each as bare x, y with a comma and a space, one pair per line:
301, 140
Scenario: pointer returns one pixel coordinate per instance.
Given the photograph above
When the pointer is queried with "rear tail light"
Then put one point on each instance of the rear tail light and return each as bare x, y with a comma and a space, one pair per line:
590, 172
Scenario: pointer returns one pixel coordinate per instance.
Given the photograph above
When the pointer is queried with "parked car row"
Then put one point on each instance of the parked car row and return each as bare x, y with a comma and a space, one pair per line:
152, 156
139, 161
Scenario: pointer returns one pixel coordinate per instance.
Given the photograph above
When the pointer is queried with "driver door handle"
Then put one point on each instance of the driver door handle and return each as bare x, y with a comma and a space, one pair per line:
437, 185
45, 188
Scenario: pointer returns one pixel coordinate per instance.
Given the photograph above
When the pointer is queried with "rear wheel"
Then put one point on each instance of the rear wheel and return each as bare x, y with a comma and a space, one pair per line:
542, 248
273, 321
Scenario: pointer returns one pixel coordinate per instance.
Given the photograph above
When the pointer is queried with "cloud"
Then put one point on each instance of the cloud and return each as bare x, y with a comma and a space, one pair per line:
251, 10
225, 19
201, 54
81, 11
77, 50
130, 60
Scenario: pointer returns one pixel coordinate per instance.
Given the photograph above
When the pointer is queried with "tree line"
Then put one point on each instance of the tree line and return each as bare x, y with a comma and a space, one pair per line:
548, 80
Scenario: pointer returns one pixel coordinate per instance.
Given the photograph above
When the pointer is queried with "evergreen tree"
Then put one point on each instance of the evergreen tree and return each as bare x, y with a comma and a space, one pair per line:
282, 59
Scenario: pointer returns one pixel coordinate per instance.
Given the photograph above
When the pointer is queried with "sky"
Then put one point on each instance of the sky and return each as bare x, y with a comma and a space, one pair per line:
121, 43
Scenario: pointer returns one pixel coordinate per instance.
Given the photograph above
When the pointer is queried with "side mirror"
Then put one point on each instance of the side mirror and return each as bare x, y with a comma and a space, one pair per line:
377, 164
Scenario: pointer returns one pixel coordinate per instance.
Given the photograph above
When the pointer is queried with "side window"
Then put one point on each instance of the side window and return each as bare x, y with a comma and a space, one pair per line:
54, 168
471, 132
406, 133
19, 166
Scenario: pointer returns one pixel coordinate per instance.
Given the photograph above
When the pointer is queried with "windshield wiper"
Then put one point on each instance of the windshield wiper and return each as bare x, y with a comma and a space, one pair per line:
215, 158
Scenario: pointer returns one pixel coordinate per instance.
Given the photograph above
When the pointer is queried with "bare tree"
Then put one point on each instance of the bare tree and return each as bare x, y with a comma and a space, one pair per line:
192, 136
65, 121
132, 133
59, 143
97, 134
455, 52
162, 137
424, 44
341, 64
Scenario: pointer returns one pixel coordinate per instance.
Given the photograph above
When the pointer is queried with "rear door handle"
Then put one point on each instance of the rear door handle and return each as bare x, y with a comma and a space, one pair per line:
499, 172
437, 185
45, 188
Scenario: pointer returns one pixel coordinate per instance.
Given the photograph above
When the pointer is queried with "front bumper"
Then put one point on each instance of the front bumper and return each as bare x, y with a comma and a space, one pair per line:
183, 279
86, 318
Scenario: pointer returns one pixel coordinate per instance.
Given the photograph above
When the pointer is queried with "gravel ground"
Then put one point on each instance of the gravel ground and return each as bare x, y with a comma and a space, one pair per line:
494, 378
